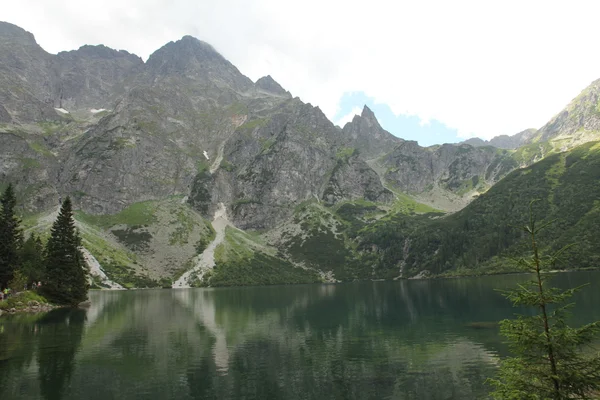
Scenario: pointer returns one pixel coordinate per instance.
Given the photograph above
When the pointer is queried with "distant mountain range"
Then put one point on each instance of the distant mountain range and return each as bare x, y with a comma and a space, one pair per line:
151, 151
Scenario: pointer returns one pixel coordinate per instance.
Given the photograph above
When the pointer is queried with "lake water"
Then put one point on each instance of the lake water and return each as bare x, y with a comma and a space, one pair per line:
368, 340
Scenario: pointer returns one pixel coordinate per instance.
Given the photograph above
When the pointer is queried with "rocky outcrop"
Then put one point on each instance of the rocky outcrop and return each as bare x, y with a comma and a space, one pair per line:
578, 123
458, 169
268, 85
353, 179
274, 162
505, 141
365, 134
93, 77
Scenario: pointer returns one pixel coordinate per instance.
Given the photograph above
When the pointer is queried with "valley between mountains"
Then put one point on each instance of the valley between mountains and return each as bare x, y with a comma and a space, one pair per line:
184, 172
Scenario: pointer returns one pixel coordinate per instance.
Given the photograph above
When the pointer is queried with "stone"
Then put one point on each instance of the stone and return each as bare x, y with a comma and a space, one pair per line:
85, 304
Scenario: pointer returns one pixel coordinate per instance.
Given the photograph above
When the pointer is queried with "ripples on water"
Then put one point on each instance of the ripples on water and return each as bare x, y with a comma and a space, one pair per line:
383, 340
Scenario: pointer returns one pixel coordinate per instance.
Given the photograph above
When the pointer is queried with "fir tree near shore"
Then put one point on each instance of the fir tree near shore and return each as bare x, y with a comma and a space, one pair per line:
551, 359
66, 272
59, 265
11, 238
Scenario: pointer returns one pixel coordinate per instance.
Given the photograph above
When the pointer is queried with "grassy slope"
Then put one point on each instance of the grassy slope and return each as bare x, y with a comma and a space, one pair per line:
481, 237
145, 245
244, 259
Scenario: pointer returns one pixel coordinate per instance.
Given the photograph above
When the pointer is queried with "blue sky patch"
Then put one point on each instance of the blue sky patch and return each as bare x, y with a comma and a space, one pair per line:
407, 127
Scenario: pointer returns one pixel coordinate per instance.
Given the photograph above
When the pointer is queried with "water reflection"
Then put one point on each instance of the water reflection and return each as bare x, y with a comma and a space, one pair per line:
398, 340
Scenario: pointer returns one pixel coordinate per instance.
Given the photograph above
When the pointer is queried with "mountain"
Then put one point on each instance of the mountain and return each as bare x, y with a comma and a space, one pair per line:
484, 236
181, 167
504, 141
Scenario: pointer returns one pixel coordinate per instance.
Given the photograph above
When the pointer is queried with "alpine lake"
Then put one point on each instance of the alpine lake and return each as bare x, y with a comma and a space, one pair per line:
421, 339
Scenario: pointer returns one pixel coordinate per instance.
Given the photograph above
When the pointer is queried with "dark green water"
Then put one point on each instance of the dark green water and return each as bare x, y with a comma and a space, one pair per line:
380, 340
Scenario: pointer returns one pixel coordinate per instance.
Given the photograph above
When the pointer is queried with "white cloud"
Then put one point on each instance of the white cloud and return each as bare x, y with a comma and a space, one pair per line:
484, 68
343, 120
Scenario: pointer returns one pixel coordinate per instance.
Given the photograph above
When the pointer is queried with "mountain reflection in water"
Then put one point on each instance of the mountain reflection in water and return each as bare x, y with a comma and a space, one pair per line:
370, 340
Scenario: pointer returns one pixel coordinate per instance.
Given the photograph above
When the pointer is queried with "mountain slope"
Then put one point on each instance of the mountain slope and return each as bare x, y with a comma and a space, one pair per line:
482, 236
180, 135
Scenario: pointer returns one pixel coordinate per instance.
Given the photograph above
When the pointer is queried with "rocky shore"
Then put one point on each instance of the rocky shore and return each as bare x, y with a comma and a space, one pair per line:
32, 306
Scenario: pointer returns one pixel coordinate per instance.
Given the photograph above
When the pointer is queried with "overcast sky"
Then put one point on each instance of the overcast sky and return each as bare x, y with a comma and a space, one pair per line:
477, 68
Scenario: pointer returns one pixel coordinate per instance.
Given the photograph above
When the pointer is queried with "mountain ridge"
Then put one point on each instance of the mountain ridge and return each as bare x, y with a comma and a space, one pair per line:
125, 137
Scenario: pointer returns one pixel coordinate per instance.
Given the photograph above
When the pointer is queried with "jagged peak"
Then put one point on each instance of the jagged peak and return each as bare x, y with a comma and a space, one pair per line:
100, 51
368, 113
16, 33
188, 46
267, 83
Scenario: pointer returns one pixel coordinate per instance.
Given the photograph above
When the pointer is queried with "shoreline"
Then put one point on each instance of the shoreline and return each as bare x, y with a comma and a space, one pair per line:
428, 277
30, 302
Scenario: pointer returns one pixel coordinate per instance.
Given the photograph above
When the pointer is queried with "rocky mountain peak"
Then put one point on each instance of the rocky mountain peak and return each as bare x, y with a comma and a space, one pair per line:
268, 84
504, 141
197, 60
100, 52
188, 49
368, 113
579, 121
14, 34
369, 137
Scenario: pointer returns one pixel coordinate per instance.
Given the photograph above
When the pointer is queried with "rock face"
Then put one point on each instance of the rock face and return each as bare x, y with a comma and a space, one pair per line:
279, 159
504, 141
447, 176
112, 131
93, 77
268, 84
365, 133
578, 123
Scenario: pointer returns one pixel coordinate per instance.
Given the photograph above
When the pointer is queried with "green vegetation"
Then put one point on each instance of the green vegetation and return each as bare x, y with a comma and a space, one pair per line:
479, 238
20, 300
260, 269
136, 214
41, 149
527, 154
11, 237
405, 204
30, 163
550, 361
133, 237
250, 126
242, 260
202, 166
66, 272
345, 153
227, 166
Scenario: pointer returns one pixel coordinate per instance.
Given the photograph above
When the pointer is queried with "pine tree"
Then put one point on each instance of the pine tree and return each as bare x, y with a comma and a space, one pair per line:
11, 237
552, 360
32, 259
66, 273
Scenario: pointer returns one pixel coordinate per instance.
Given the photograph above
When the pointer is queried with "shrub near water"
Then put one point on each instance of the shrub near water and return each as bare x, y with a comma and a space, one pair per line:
24, 298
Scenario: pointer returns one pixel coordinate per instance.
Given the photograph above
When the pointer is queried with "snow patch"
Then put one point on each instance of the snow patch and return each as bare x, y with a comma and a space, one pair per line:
61, 110
97, 110
206, 155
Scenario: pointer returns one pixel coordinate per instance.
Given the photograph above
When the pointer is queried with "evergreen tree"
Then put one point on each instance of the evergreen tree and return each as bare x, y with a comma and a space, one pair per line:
32, 259
11, 237
66, 273
552, 360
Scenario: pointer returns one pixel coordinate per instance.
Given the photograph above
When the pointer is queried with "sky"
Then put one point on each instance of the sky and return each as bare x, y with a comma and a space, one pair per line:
431, 70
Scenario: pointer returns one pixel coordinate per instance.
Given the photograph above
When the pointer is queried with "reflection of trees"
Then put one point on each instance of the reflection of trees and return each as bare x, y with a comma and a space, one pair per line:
61, 332
17, 349
306, 346
398, 340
